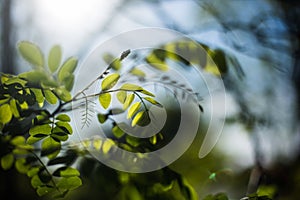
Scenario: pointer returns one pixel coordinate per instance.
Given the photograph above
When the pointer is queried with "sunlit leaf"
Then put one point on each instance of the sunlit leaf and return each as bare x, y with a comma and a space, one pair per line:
133, 109
107, 145
35, 76
40, 129
7, 161
97, 143
137, 72
5, 114
66, 172
137, 118
153, 139
14, 109
54, 58
67, 68
48, 144
128, 101
102, 118
68, 82
110, 81
133, 141
18, 140
121, 96
153, 101
70, 183
38, 96
31, 53
105, 100
65, 126
36, 181
33, 171
118, 133
63, 94
41, 191
50, 96
131, 87
33, 139
21, 166
63, 117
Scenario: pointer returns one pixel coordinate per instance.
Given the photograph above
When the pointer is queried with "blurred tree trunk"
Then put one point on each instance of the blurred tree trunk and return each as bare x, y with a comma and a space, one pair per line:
7, 58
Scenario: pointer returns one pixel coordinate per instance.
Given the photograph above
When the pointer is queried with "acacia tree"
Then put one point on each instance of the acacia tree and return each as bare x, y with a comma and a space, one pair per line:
36, 126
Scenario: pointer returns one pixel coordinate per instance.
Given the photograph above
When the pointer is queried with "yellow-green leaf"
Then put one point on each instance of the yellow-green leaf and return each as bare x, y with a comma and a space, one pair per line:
18, 140
133, 109
31, 53
128, 101
70, 183
69, 172
105, 100
153, 101
14, 109
107, 145
7, 161
117, 131
41, 191
121, 96
67, 68
40, 129
137, 72
54, 58
63, 117
68, 82
97, 143
63, 94
36, 181
48, 144
38, 96
132, 87
102, 118
110, 81
33, 171
21, 165
137, 118
50, 96
5, 114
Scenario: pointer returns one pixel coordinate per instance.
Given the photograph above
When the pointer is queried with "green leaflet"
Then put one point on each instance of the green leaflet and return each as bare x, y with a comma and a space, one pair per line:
137, 118
110, 81
5, 114
66, 172
31, 53
121, 96
67, 68
118, 133
63, 117
105, 100
107, 145
41, 191
63, 94
133, 109
70, 183
102, 118
153, 101
7, 161
50, 144
128, 101
54, 58
50, 96
137, 72
40, 129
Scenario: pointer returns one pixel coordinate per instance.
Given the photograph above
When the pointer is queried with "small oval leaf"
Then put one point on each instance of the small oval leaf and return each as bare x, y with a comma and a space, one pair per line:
31, 53
110, 81
67, 68
128, 101
5, 114
133, 109
7, 161
54, 58
105, 100
137, 118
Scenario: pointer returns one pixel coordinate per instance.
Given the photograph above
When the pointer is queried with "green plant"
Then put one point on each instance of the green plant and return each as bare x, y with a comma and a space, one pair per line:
35, 124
